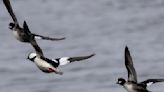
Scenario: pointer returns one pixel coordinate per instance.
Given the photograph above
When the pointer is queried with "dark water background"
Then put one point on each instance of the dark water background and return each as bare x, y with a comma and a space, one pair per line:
100, 26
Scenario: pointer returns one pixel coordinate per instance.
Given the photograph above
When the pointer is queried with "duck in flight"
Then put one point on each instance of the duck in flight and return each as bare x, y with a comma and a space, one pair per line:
51, 65
132, 85
23, 34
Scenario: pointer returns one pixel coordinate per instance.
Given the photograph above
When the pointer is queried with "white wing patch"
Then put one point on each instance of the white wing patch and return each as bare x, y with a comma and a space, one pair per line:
54, 60
37, 37
150, 83
64, 60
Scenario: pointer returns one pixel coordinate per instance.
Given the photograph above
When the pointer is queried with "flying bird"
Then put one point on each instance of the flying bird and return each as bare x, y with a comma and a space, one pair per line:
23, 34
132, 85
51, 65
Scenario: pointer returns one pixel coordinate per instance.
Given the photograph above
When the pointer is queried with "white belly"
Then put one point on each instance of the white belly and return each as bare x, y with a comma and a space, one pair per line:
16, 35
42, 64
129, 88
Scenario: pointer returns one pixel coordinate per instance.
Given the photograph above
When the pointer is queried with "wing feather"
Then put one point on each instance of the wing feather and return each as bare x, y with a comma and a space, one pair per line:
132, 75
10, 10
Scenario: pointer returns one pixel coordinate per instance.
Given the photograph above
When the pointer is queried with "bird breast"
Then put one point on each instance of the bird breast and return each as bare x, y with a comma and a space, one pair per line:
43, 65
129, 87
16, 35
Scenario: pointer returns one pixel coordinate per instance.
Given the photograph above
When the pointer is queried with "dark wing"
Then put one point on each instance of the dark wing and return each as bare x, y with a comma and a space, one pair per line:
32, 40
37, 48
66, 60
26, 28
47, 38
79, 58
151, 81
132, 75
10, 10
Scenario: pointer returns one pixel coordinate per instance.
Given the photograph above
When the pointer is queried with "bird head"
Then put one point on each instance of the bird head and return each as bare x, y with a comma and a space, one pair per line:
121, 81
11, 25
32, 56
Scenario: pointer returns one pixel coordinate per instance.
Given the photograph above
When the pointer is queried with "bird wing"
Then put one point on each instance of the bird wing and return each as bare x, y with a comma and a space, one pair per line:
149, 82
132, 75
36, 36
66, 60
79, 58
47, 38
37, 48
10, 10
26, 28
32, 40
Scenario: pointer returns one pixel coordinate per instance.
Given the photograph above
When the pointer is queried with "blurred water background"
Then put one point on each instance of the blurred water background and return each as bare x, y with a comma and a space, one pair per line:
103, 27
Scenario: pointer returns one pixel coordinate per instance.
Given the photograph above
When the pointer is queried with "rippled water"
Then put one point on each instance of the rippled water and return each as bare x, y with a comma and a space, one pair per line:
100, 26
